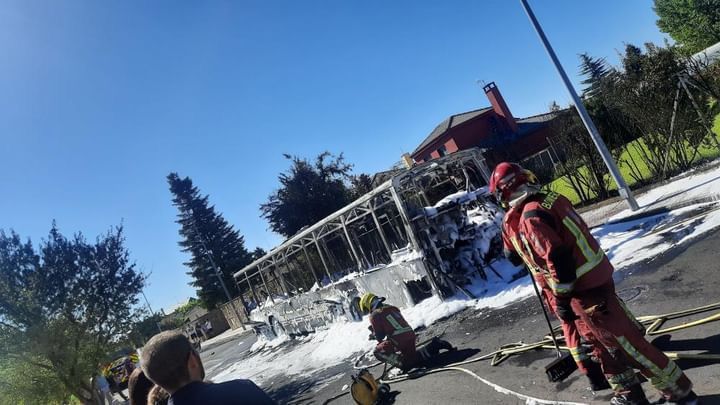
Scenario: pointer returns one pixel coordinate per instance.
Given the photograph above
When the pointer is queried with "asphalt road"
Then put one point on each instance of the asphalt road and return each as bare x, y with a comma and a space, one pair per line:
684, 277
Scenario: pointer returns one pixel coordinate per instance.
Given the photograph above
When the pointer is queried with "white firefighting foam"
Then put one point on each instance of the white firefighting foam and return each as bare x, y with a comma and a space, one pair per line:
625, 243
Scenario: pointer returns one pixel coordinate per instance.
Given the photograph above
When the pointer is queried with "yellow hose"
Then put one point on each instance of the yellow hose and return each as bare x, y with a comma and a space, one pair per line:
654, 321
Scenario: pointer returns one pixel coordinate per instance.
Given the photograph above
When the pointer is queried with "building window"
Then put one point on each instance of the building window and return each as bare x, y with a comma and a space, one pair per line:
442, 151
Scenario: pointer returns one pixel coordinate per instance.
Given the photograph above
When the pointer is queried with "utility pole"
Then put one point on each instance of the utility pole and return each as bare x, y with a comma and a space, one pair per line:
623, 189
216, 269
152, 313
142, 291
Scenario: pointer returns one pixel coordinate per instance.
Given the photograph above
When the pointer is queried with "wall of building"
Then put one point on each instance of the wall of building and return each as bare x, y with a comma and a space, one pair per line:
229, 313
464, 136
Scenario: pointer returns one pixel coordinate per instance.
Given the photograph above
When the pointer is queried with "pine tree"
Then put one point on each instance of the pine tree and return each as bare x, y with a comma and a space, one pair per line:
309, 191
360, 184
257, 253
595, 71
205, 232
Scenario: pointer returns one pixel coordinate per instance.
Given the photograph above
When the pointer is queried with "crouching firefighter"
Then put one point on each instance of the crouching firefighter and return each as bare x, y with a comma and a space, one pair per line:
396, 339
553, 241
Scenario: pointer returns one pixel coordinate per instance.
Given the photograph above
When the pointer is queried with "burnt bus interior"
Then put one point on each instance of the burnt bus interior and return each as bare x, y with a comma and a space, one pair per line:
365, 235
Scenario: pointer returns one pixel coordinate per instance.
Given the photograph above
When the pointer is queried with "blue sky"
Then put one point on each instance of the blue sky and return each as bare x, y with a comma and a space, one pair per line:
99, 101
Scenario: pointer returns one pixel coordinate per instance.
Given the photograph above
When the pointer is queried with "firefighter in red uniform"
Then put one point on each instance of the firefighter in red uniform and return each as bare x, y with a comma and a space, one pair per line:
554, 242
398, 349
584, 348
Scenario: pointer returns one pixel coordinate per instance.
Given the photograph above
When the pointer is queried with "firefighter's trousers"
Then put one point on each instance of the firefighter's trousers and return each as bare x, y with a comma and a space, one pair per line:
614, 327
398, 351
578, 338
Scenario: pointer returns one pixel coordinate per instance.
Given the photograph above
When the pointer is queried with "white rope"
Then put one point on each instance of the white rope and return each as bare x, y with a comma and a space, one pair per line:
528, 399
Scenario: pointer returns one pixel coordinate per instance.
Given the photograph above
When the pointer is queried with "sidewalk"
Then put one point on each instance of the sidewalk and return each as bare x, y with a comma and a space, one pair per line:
697, 186
228, 335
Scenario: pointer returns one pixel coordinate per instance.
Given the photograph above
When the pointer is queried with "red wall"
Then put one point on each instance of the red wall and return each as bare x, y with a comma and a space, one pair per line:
464, 136
471, 133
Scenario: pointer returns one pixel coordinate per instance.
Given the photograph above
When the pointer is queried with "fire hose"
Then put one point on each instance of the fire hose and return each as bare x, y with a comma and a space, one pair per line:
652, 323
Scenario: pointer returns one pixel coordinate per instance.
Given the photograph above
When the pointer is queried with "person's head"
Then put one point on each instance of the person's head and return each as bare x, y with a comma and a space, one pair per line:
139, 387
158, 396
169, 360
511, 184
370, 302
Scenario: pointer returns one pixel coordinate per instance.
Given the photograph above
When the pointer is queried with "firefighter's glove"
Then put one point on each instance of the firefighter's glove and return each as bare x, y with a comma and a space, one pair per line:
372, 337
563, 310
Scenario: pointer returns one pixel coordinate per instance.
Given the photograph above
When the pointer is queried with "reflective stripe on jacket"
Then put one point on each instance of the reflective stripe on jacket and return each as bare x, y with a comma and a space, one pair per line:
387, 321
555, 243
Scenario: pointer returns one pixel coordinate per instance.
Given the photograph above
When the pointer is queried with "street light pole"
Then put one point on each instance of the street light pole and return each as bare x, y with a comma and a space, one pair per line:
217, 270
152, 313
623, 189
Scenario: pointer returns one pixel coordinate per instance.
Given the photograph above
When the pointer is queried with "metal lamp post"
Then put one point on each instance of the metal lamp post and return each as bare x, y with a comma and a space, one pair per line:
623, 189
152, 313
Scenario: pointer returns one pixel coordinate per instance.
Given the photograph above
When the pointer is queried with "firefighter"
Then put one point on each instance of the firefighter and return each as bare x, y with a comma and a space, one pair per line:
584, 348
549, 236
396, 339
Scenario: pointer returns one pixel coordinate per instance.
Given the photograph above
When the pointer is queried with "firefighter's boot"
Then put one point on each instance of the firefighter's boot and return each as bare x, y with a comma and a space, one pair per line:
635, 396
444, 344
690, 399
595, 376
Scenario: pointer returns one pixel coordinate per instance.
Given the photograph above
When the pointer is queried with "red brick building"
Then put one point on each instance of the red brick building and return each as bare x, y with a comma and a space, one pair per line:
492, 128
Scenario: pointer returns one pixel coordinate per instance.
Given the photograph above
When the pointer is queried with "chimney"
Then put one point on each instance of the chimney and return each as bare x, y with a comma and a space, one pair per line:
407, 160
499, 106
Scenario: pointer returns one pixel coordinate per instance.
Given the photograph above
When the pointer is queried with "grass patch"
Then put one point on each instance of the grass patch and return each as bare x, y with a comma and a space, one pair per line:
562, 185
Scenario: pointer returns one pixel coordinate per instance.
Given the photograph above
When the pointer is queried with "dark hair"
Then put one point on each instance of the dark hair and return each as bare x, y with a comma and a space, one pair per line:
164, 360
139, 387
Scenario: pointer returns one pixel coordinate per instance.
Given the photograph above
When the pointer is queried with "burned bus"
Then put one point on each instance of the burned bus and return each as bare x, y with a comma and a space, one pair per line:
430, 229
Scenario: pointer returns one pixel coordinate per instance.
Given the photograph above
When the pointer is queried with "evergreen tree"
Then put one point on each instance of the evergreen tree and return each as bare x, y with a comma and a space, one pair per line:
693, 24
360, 184
206, 233
308, 193
257, 253
601, 85
595, 71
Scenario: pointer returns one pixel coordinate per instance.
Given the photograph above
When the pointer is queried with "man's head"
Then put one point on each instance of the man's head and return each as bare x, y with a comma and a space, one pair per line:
139, 387
370, 302
510, 183
169, 360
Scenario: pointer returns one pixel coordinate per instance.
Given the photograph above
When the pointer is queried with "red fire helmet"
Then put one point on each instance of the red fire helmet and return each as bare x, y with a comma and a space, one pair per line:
507, 178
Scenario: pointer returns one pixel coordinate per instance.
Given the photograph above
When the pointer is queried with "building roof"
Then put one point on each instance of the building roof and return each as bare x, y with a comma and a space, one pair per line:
531, 124
526, 126
450, 122
544, 117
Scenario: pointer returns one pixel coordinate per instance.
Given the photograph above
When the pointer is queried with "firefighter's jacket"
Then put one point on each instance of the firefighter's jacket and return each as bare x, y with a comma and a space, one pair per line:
387, 322
555, 244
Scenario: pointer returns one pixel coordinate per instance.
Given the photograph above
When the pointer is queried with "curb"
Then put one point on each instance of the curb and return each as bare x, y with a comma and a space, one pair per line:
662, 210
